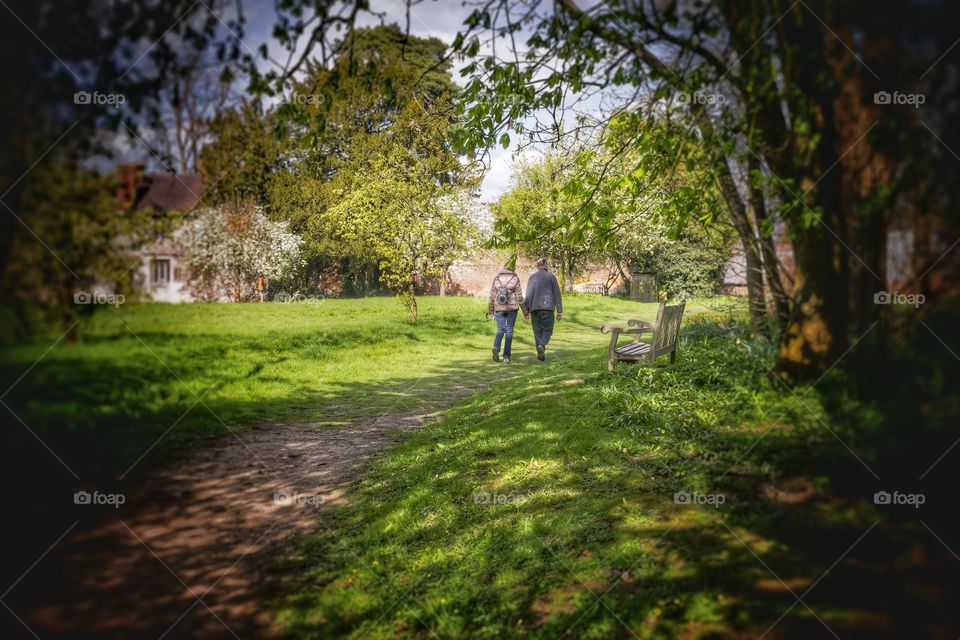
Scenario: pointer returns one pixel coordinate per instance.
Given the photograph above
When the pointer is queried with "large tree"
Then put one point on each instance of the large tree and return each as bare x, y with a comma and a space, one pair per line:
394, 201
78, 70
77, 226
87, 78
387, 98
786, 86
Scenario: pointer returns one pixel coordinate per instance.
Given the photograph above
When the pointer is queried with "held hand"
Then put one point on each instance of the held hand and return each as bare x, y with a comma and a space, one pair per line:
526, 318
559, 316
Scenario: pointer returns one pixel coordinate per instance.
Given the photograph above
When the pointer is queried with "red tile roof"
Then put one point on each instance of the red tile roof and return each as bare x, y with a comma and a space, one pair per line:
170, 192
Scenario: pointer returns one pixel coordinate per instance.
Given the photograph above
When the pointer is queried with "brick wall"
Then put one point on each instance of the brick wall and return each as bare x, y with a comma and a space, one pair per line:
474, 276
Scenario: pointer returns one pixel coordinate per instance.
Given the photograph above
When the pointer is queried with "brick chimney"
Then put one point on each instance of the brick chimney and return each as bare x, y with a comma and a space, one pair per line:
129, 179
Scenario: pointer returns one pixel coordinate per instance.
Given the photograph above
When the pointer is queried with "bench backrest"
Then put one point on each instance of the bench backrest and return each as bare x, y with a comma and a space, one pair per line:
667, 328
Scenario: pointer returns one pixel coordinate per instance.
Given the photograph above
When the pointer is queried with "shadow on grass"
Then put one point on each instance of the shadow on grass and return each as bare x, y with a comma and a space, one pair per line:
526, 513
113, 421
523, 507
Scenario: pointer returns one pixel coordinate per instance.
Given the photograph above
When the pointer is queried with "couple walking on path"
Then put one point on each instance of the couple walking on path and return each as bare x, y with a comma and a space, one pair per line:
506, 299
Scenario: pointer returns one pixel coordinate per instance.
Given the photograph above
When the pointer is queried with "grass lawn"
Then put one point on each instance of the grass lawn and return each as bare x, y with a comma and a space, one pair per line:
526, 505
554, 487
191, 371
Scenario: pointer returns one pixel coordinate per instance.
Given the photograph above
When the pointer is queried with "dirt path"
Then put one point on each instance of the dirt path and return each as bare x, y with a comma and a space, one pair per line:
185, 555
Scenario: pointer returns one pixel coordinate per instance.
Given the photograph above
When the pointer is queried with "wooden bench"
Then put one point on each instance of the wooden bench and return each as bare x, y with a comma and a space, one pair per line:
663, 340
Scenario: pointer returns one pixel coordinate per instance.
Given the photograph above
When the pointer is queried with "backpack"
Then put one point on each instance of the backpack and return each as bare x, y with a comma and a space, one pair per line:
503, 294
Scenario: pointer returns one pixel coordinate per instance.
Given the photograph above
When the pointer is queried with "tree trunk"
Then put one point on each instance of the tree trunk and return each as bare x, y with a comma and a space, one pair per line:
412, 304
443, 283
771, 264
816, 335
756, 299
8, 223
66, 309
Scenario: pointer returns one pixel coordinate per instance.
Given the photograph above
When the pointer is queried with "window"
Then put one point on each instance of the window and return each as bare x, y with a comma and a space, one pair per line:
161, 271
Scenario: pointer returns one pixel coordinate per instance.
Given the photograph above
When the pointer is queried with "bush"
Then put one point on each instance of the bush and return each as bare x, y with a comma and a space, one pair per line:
696, 410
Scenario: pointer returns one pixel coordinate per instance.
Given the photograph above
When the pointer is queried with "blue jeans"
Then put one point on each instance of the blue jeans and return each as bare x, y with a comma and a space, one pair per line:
505, 321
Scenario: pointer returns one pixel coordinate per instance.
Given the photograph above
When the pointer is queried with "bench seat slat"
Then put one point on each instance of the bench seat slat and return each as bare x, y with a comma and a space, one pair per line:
634, 349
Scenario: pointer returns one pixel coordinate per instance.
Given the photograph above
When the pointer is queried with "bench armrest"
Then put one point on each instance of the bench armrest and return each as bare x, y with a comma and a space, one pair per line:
609, 328
640, 326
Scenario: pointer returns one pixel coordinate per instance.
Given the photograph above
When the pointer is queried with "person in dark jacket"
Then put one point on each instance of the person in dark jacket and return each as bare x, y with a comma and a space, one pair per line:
543, 296
506, 298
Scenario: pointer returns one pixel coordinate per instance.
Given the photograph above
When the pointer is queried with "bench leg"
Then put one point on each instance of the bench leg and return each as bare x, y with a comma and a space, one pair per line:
610, 363
673, 356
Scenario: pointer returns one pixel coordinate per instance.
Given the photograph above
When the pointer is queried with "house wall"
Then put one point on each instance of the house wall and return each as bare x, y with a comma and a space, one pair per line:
174, 291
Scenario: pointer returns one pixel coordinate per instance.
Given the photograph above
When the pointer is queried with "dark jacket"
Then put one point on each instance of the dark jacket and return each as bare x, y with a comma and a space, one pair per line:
543, 292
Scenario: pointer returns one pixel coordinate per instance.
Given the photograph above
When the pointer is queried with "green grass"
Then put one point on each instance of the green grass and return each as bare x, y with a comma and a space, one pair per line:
530, 499
141, 370
514, 514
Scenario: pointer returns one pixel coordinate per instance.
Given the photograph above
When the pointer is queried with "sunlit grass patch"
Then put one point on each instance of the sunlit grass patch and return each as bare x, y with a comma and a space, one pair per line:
139, 369
535, 497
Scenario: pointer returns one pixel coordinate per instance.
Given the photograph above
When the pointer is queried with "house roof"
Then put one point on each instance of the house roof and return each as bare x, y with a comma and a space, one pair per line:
170, 192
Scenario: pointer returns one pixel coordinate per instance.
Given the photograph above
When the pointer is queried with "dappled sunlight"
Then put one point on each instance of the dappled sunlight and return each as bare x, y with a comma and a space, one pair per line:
535, 486
533, 494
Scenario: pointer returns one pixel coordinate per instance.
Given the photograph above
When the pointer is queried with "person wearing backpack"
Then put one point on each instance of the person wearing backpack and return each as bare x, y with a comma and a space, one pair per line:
506, 298
543, 296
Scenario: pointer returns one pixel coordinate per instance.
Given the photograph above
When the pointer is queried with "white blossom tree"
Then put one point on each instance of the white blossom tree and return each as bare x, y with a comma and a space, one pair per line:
229, 247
